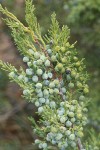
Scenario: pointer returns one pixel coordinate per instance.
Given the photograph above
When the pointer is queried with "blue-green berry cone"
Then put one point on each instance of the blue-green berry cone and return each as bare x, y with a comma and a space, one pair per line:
39, 72
29, 71
47, 63
39, 85
25, 59
35, 79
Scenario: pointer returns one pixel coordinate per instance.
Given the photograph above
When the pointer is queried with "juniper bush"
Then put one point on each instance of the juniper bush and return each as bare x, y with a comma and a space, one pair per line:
54, 80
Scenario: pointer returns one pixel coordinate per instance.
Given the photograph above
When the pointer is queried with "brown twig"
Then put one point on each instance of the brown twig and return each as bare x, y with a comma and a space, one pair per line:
80, 146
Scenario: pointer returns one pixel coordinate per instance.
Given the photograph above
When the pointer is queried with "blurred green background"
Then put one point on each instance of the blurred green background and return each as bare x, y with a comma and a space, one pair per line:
83, 19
